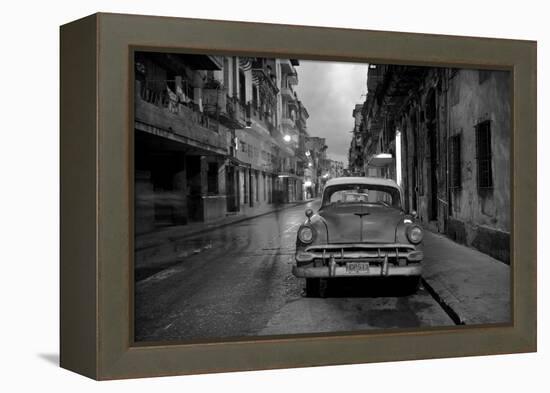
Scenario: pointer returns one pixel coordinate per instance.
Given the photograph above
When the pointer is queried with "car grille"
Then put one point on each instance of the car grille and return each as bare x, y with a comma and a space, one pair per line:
375, 254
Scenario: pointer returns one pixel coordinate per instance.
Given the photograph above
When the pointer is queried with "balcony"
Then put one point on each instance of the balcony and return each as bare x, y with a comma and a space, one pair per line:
261, 119
243, 112
301, 124
287, 66
288, 124
225, 109
287, 93
173, 61
183, 122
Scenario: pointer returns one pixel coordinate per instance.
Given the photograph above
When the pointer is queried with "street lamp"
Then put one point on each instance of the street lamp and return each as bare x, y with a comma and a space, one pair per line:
379, 161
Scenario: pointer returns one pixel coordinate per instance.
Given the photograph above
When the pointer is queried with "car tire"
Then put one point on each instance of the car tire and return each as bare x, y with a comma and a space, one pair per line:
312, 287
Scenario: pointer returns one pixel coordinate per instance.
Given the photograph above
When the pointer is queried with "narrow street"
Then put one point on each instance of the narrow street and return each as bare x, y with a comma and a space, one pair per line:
231, 150
241, 284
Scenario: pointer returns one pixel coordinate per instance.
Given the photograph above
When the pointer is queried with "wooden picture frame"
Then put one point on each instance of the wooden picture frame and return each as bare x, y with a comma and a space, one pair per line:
97, 204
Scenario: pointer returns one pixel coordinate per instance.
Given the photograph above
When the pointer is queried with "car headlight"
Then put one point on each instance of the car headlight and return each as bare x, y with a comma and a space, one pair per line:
305, 234
415, 234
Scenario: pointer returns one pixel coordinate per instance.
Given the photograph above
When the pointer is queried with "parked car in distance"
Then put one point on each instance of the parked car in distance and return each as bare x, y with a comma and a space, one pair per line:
360, 230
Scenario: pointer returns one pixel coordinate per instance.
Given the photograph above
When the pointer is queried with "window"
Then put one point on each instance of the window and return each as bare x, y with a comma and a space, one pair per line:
362, 194
456, 164
212, 178
483, 149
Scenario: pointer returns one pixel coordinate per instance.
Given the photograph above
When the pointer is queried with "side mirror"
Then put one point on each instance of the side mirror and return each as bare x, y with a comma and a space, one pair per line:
309, 213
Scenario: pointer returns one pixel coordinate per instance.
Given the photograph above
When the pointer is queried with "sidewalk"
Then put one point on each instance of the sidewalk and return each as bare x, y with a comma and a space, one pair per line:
161, 248
475, 286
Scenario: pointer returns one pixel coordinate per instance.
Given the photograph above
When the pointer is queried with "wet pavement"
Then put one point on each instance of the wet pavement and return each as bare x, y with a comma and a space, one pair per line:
236, 281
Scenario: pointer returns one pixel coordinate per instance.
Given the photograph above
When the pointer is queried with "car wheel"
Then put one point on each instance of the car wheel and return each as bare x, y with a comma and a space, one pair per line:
312, 287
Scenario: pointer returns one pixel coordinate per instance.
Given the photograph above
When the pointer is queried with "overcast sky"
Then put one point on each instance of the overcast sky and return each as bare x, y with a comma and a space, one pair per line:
330, 91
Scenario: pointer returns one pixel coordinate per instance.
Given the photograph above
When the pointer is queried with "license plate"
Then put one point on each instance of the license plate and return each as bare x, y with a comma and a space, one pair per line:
357, 267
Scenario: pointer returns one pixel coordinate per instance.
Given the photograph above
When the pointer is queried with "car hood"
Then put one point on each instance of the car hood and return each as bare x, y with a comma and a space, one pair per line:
361, 223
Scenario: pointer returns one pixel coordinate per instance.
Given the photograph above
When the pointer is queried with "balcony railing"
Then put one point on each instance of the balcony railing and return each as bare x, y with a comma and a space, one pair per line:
287, 93
161, 95
157, 113
226, 109
288, 123
262, 118
243, 112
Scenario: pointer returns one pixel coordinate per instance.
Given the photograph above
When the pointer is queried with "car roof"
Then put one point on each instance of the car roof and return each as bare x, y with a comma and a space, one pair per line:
377, 181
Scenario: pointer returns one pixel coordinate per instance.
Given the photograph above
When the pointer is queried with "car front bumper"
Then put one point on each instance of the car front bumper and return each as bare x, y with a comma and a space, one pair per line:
340, 271
358, 260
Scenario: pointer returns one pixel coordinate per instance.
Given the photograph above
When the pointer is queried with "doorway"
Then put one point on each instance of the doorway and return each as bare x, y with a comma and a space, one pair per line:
431, 119
231, 189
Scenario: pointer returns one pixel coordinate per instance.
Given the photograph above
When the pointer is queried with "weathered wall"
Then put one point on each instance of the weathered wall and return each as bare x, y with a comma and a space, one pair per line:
483, 217
477, 102
445, 104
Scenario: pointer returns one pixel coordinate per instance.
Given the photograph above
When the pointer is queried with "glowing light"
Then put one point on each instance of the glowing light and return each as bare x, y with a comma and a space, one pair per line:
287, 138
398, 157
310, 164
307, 183
308, 153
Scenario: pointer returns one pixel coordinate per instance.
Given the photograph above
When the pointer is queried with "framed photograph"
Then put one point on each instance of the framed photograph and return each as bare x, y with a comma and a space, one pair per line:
243, 196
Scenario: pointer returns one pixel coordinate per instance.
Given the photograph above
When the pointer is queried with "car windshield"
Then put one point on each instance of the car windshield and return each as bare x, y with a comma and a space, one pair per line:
361, 193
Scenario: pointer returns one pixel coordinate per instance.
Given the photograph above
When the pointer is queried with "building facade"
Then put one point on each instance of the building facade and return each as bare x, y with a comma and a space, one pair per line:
214, 136
335, 169
355, 157
444, 135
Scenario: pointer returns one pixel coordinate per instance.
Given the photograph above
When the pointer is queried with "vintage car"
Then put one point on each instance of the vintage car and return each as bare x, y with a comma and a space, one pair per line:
360, 230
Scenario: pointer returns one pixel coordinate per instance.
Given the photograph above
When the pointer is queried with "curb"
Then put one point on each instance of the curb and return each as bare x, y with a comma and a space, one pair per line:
450, 307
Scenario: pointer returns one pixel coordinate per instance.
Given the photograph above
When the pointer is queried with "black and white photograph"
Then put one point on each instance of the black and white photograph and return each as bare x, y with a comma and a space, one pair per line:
238, 196
281, 197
